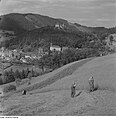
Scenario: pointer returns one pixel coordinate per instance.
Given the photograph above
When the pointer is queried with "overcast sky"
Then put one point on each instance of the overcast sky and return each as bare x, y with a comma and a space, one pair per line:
85, 12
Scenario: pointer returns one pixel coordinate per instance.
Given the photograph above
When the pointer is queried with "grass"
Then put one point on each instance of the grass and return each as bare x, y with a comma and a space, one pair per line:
63, 73
9, 88
57, 101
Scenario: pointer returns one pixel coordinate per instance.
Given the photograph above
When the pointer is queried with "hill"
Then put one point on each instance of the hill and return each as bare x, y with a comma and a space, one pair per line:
54, 99
42, 37
26, 22
35, 30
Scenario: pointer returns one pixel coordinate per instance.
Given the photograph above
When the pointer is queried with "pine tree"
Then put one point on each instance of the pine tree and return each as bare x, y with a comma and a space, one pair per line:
26, 72
17, 74
5, 77
33, 73
23, 74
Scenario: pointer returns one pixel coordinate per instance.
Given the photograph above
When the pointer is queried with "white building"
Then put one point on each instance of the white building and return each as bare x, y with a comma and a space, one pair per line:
55, 48
59, 26
23, 60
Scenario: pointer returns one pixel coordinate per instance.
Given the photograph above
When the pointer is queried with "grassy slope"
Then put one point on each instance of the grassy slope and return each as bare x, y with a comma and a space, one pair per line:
55, 99
103, 70
58, 74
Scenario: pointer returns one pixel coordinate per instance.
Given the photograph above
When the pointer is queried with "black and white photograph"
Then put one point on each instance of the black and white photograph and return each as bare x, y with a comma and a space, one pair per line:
57, 58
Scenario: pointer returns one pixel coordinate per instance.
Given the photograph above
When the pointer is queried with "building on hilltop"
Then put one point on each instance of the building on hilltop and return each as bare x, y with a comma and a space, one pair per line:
59, 26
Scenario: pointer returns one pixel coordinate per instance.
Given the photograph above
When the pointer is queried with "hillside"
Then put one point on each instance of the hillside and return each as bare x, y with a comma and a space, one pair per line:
42, 37
31, 31
54, 99
26, 22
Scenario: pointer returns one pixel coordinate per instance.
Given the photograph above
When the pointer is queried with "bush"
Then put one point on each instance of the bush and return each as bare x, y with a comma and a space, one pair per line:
9, 88
29, 75
18, 81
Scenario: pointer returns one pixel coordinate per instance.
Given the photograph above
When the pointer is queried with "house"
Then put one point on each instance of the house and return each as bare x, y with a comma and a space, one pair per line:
64, 48
27, 56
23, 60
55, 48
33, 56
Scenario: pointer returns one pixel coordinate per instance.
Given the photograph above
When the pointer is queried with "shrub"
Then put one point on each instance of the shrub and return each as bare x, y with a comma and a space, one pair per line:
29, 75
18, 81
9, 88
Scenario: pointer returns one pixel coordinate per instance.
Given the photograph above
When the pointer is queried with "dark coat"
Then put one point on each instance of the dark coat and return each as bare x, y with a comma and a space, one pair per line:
73, 90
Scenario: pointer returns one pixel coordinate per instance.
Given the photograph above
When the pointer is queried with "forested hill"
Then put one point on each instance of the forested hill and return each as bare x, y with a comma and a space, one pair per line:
33, 30
42, 37
26, 22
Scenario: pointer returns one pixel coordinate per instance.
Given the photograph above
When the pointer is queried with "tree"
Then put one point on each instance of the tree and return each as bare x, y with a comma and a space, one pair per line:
26, 72
33, 73
17, 74
22, 74
30, 75
41, 64
111, 39
5, 77
1, 82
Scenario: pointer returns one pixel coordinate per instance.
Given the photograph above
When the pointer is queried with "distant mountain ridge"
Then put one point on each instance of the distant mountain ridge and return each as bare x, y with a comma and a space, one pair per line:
26, 22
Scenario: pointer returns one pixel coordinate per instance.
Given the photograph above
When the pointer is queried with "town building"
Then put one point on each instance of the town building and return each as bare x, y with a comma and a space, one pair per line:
55, 48
64, 48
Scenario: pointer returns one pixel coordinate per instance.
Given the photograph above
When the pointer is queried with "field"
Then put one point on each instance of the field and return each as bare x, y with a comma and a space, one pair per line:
49, 94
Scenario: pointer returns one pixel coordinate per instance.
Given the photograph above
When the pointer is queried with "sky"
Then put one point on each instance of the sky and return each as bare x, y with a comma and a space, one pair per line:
100, 13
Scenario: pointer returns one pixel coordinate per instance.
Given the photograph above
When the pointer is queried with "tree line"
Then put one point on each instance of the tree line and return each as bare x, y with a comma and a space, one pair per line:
11, 76
56, 59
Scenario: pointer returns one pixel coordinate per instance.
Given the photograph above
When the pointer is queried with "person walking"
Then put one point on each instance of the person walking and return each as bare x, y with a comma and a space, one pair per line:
91, 84
73, 90
24, 92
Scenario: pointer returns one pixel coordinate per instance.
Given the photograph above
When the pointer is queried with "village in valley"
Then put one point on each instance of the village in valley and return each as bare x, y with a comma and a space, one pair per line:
17, 55
26, 57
